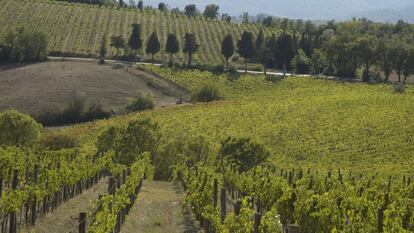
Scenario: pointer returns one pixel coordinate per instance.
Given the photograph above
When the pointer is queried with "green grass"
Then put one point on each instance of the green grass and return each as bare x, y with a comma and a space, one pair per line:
77, 29
304, 122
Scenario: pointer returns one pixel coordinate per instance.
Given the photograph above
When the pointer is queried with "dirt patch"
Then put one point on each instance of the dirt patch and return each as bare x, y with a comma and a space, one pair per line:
65, 218
159, 209
32, 87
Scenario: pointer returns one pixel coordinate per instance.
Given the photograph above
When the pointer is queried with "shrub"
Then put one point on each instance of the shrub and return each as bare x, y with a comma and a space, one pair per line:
17, 129
108, 139
78, 110
140, 136
59, 141
218, 69
273, 78
399, 88
140, 103
207, 93
243, 153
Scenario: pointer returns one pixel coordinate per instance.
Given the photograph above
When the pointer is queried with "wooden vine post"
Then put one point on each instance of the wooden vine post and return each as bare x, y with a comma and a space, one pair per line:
13, 218
215, 196
257, 220
223, 204
33, 207
237, 207
380, 220
111, 185
1, 185
82, 222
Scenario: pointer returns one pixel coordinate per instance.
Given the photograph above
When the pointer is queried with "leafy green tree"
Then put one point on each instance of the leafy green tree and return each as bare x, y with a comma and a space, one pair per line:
267, 22
246, 47
162, 6
301, 62
227, 49
173, 46
117, 42
285, 51
191, 10
190, 46
260, 39
211, 11
135, 41
109, 139
245, 17
102, 50
271, 44
226, 17
319, 62
244, 153
140, 5
17, 129
140, 136
264, 56
366, 51
22, 45
385, 57
400, 54
153, 45
408, 68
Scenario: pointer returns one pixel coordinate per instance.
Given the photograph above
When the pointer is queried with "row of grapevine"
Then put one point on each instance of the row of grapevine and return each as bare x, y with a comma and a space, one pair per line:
77, 29
34, 183
267, 199
111, 210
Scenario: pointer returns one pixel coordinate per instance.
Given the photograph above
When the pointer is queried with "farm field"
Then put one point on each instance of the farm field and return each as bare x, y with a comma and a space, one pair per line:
326, 137
273, 125
304, 121
78, 29
32, 88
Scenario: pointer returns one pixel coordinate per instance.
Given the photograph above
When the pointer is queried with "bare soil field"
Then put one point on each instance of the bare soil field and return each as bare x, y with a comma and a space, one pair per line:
31, 88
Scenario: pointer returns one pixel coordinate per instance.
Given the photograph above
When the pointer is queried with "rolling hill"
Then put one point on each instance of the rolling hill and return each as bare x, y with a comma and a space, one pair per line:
77, 29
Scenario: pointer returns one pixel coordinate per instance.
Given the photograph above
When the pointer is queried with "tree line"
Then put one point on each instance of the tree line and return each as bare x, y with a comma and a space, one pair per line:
345, 50
358, 48
23, 45
153, 44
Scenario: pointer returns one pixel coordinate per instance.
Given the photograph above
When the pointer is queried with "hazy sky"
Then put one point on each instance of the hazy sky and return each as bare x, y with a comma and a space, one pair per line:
307, 9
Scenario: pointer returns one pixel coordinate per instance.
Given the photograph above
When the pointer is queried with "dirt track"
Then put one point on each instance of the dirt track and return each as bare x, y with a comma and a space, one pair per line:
159, 209
33, 87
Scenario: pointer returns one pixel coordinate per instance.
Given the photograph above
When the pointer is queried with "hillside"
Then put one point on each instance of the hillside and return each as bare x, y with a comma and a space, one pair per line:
77, 29
304, 122
34, 87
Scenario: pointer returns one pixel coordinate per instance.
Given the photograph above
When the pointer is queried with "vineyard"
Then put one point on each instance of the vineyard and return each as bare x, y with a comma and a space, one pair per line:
78, 29
264, 154
339, 154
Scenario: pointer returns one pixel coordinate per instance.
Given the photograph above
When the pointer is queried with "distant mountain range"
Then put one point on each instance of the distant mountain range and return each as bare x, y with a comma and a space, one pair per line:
378, 10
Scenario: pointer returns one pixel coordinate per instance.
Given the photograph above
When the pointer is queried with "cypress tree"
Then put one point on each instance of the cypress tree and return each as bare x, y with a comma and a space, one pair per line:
190, 46
227, 49
246, 47
172, 47
135, 41
153, 45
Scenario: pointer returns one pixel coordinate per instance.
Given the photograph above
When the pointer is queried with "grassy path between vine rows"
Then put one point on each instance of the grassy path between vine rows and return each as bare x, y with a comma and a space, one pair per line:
66, 217
159, 209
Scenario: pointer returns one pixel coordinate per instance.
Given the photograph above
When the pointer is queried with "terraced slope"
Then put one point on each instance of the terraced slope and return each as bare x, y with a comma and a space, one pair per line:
77, 29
